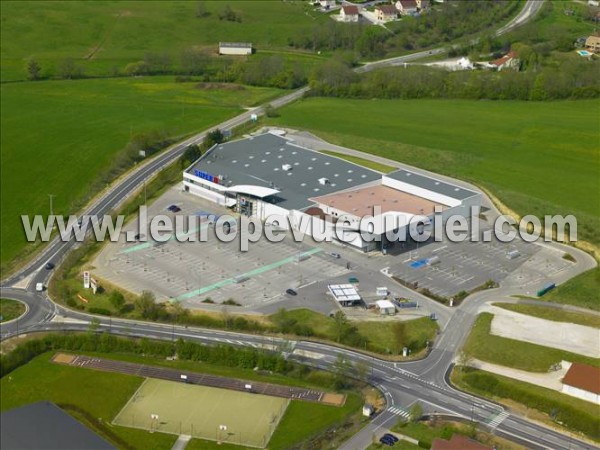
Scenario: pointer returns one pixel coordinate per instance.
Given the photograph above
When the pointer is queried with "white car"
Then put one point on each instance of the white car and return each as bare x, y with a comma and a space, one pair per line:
39, 287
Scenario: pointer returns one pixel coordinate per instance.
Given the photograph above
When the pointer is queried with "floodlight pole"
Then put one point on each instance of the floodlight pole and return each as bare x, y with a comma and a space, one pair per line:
51, 209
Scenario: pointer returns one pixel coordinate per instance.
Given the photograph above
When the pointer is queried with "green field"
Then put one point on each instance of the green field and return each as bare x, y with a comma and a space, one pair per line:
103, 36
554, 314
513, 353
199, 411
58, 136
537, 157
10, 309
583, 290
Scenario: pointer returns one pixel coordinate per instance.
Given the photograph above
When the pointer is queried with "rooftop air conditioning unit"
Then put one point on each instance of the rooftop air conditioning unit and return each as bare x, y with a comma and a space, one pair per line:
286, 167
323, 181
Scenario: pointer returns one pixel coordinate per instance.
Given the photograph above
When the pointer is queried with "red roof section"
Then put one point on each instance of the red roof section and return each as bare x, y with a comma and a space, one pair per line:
387, 9
510, 55
408, 3
350, 10
584, 377
457, 442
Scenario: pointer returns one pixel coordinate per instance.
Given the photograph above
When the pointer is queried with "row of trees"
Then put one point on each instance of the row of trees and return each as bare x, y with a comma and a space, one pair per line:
578, 80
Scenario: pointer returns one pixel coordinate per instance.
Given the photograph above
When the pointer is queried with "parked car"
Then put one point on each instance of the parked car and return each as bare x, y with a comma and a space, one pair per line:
49, 265
291, 292
335, 255
353, 280
174, 208
391, 437
39, 287
386, 441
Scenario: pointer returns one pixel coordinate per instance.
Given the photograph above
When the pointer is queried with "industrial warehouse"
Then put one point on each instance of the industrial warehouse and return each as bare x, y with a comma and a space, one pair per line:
269, 175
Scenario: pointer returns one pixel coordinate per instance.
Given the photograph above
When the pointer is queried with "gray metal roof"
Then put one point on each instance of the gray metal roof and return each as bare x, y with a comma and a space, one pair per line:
44, 426
258, 161
236, 44
432, 184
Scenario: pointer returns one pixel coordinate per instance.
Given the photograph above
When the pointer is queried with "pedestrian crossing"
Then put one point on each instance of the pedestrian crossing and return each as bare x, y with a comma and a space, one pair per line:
399, 412
495, 420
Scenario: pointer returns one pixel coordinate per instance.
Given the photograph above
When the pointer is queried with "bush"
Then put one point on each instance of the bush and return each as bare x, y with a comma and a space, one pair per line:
101, 311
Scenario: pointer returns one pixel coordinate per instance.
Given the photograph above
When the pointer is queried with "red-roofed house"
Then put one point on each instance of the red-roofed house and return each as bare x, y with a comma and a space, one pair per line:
406, 7
349, 13
508, 61
458, 442
583, 381
385, 13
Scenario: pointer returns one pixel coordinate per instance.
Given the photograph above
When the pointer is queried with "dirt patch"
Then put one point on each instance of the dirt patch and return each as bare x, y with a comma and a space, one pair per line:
220, 86
63, 358
333, 399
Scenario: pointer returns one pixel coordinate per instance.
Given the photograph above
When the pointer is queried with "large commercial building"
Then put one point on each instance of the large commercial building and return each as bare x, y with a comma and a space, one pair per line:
269, 175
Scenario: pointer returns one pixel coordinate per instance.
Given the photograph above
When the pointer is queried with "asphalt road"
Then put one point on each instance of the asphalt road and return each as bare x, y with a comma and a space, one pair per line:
402, 384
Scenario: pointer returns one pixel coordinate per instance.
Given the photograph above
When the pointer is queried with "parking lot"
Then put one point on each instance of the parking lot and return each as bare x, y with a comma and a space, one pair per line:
461, 266
195, 273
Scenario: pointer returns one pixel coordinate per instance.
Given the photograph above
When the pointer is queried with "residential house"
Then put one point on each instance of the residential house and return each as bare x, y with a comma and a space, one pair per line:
458, 442
349, 13
593, 3
592, 43
508, 61
385, 13
582, 381
327, 4
235, 48
407, 7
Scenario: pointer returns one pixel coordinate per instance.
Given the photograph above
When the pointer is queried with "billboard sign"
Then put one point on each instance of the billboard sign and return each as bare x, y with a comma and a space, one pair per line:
86, 280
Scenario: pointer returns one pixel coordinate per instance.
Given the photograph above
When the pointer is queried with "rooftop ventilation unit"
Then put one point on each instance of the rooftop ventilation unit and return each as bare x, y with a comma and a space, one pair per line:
324, 181
286, 167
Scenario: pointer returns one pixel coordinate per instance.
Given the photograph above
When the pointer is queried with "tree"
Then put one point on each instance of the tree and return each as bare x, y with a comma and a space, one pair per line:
191, 154
416, 411
201, 9
146, 305
68, 70
194, 61
33, 70
341, 370
116, 299
362, 370
215, 137
229, 15
135, 69
399, 331
340, 325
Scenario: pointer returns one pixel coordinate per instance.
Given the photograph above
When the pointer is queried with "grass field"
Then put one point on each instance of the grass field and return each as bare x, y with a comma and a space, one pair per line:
10, 309
583, 290
199, 411
513, 353
537, 157
381, 335
556, 315
101, 35
57, 136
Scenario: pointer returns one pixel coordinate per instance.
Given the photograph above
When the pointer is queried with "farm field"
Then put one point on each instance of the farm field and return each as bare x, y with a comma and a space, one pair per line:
103, 36
520, 151
91, 121
583, 291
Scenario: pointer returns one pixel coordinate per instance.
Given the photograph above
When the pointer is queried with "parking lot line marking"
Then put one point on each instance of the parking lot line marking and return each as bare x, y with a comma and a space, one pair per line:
249, 274
144, 245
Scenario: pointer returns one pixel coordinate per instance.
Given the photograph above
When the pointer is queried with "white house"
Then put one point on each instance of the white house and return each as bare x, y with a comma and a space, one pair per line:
349, 13
235, 48
385, 13
385, 307
407, 7
327, 3
582, 381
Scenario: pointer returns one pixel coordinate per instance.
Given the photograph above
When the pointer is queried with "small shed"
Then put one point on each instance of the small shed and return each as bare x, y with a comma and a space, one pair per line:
235, 48
385, 307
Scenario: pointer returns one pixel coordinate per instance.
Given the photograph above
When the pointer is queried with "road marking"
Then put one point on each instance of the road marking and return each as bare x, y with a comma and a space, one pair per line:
399, 412
496, 419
